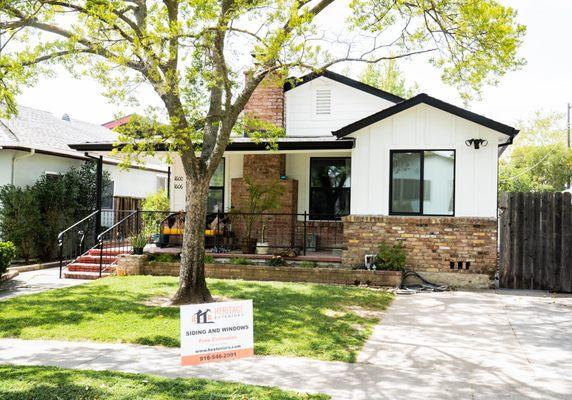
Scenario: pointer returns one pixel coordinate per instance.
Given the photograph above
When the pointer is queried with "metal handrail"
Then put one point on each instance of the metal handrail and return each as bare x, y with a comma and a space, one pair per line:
60, 238
115, 226
61, 234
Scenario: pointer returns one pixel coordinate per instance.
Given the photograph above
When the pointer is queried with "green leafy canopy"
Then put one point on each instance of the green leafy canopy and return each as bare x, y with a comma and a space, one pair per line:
193, 53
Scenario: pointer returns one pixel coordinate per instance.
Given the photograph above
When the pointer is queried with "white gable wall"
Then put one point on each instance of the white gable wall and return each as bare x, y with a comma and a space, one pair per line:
347, 105
425, 128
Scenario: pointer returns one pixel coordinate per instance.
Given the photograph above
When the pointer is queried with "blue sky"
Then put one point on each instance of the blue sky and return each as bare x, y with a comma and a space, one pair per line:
544, 83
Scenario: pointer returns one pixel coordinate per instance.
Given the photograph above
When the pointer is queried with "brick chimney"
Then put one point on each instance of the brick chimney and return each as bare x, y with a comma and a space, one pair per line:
267, 101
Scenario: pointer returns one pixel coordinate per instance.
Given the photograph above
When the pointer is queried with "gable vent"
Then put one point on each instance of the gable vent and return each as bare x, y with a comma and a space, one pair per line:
323, 102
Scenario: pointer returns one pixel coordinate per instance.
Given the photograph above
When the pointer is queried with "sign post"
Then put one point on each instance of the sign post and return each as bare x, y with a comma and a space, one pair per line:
216, 332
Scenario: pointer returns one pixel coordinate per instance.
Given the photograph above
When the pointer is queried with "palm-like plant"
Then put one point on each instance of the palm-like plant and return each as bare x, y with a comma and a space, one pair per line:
262, 197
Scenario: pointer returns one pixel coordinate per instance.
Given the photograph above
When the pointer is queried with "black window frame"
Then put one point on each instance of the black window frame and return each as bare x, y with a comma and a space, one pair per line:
325, 217
421, 183
222, 161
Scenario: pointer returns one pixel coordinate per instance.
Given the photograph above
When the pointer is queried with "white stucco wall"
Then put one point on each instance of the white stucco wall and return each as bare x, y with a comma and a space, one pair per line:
133, 182
425, 127
347, 104
5, 166
129, 183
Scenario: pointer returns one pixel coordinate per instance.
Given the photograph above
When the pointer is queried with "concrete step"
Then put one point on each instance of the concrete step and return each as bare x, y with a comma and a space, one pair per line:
87, 267
84, 275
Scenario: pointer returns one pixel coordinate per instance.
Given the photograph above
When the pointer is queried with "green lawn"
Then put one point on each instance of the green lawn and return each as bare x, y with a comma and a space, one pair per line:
317, 321
48, 383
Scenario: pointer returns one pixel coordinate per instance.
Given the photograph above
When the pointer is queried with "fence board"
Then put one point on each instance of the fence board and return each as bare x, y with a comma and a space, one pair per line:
535, 233
566, 259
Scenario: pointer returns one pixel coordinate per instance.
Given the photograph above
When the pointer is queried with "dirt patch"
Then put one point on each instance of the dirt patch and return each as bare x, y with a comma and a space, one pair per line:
364, 312
164, 301
333, 313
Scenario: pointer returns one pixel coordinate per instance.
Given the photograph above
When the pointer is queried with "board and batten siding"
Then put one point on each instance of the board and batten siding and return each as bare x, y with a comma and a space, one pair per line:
425, 128
347, 105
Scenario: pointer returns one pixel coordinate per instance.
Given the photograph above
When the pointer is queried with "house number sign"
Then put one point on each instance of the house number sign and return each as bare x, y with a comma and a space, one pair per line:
216, 332
178, 186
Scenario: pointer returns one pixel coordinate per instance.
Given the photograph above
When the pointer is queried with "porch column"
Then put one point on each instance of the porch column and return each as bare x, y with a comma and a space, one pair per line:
98, 194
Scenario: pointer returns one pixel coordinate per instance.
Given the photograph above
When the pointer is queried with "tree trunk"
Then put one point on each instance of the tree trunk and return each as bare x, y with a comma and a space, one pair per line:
192, 283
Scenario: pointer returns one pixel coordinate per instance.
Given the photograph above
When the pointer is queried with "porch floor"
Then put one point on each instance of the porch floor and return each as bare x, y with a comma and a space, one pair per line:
324, 256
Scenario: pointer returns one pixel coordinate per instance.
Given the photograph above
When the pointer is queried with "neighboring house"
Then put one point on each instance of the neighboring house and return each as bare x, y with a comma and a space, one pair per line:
373, 165
35, 143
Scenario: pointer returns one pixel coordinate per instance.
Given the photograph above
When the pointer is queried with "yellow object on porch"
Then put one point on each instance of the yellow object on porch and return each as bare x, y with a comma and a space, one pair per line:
179, 231
172, 231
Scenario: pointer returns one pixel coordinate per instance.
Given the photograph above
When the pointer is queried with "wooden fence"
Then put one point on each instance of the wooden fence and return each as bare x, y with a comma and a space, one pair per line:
536, 241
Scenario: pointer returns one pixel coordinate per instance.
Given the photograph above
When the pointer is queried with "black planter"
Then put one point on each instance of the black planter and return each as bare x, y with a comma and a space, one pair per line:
138, 251
249, 245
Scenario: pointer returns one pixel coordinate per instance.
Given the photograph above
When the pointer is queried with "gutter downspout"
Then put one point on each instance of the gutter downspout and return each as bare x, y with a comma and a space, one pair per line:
14, 159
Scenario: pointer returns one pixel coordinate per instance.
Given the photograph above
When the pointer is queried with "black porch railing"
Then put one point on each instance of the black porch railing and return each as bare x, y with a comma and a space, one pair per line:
225, 232
117, 227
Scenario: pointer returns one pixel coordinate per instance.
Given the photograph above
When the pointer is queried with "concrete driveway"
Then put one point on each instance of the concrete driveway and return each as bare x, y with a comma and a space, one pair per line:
474, 345
455, 345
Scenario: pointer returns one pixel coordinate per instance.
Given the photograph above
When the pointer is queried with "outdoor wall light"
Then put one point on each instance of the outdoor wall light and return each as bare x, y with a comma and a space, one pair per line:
477, 143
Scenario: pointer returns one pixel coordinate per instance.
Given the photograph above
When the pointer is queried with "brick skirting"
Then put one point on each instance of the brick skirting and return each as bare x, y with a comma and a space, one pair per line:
339, 276
431, 243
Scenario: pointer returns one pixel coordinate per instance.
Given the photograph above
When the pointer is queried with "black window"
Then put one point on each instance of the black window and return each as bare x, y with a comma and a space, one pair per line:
422, 182
215, 201
330, 183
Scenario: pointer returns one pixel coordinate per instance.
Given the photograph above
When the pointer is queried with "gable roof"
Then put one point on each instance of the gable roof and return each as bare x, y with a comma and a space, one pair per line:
293, 82
432, 101
118, 122
41, 130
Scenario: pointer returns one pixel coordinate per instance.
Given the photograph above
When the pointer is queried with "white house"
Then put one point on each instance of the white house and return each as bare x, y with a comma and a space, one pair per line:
368, 166
35, 143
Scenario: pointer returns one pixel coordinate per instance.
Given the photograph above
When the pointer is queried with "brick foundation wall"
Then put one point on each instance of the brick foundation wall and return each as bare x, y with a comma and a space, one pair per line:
431, 243
338, 276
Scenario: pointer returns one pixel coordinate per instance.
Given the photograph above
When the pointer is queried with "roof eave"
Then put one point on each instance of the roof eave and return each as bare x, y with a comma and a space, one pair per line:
295, 82
426, 99
345, 144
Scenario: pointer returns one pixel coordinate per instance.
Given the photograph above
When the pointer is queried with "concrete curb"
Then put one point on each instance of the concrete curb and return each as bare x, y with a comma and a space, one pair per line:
9, 275
35, 267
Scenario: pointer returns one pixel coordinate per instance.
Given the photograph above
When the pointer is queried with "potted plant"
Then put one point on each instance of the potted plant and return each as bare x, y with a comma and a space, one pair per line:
262, 246
261, 198
138, 242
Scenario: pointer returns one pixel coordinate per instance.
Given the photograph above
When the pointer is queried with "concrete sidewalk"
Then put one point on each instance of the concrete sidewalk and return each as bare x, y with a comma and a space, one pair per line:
34, 282
456, 345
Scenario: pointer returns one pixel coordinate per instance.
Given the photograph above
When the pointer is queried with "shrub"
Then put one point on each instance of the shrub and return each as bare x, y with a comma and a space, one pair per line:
19, 219
240, 261
209, 259
7, 254
152, 220
32, 217
165, 257
390, 258
308, 264
276, 261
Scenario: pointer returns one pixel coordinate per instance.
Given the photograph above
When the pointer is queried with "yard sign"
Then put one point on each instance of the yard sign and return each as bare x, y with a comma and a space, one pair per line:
216, 332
